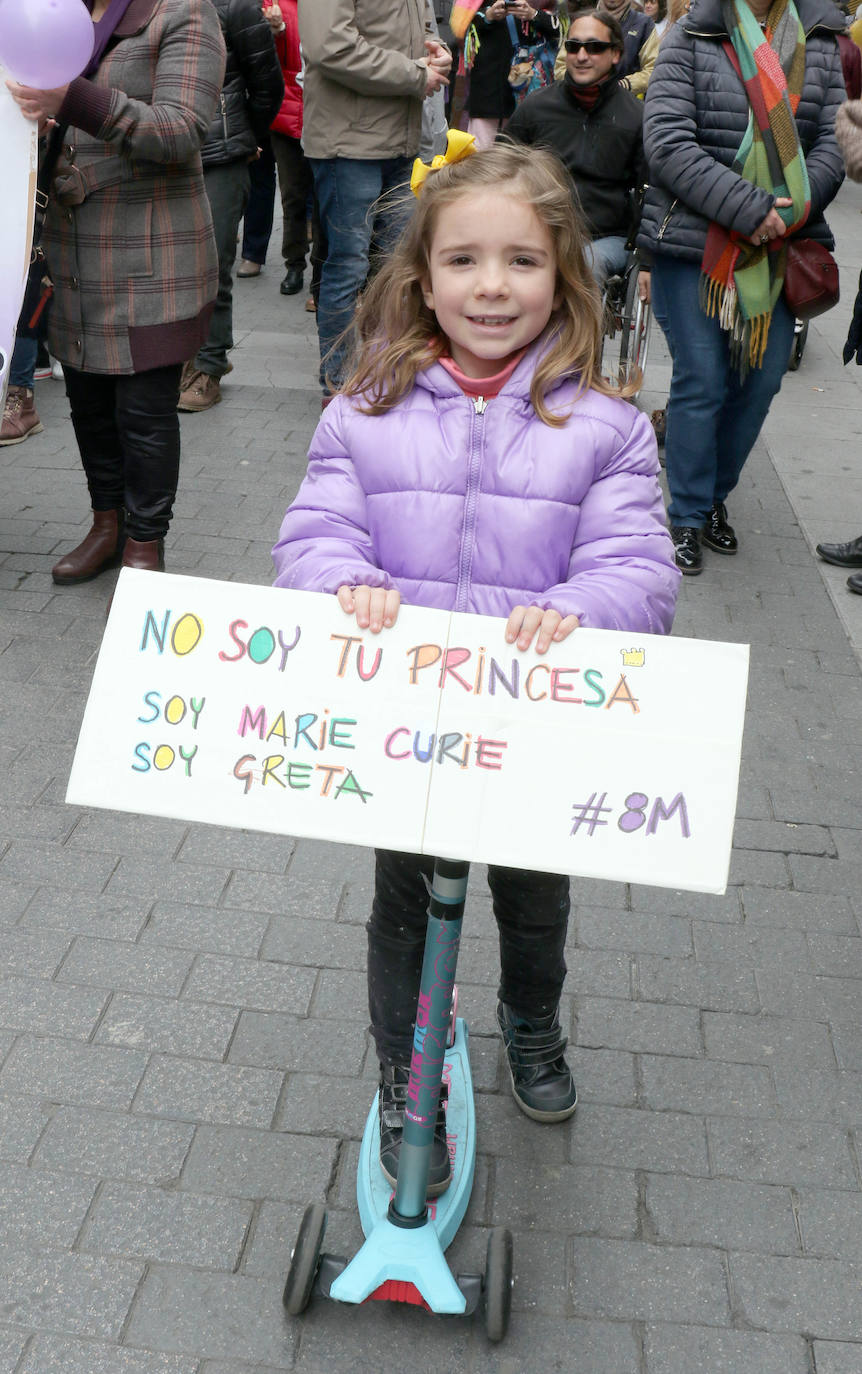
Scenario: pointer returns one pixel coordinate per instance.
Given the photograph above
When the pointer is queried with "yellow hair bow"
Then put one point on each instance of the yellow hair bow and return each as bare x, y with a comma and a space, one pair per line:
458, 146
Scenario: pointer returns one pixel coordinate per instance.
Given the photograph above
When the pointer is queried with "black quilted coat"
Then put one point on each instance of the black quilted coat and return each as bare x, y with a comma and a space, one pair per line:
253, 86
695, 115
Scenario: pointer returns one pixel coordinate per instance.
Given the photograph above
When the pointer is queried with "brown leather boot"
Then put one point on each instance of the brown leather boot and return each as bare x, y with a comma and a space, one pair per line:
99, 550
148, 554
19, 416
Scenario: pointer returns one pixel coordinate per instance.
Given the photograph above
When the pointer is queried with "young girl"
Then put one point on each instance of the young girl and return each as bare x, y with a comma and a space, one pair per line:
477, 461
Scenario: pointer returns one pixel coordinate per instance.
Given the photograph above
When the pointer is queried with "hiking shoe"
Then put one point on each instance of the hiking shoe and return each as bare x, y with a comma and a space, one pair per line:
19, 416
392, 1099
542, 1082
200, 392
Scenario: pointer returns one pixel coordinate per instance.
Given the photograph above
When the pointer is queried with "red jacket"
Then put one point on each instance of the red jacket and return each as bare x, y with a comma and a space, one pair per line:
289, 118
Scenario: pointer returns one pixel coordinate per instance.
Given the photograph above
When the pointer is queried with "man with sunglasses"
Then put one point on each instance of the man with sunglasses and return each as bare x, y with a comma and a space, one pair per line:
594, 125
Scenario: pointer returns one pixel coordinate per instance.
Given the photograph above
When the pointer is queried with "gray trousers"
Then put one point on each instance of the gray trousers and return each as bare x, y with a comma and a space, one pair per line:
227, 188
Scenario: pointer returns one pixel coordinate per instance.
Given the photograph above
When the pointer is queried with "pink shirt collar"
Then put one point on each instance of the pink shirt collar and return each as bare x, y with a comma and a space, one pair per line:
489, 387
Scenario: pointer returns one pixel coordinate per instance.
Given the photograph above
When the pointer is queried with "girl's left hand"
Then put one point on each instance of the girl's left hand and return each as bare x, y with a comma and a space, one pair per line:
524, 621
374, 607
38, 105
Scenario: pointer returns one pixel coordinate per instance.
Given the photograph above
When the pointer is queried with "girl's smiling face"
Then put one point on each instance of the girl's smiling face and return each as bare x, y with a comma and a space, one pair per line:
491, 278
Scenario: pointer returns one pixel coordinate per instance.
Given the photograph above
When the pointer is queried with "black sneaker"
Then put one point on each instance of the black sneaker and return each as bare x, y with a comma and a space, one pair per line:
542, 1081
687, 552
392, 1099
716, 533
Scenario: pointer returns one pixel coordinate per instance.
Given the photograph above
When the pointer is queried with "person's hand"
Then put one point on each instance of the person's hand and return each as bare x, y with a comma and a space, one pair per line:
439, 55
374, 607
36, 104
773, 227
522, 9
496, 11
525, 621
435, 80
644, 286
273, 16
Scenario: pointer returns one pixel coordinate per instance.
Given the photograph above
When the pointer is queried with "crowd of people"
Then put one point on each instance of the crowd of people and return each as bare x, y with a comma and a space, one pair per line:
470, 454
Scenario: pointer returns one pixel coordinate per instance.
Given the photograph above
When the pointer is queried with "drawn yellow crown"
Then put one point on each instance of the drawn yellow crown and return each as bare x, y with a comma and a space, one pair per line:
632, 658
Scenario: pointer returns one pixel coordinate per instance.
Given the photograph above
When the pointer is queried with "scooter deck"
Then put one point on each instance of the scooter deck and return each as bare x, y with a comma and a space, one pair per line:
416, 1255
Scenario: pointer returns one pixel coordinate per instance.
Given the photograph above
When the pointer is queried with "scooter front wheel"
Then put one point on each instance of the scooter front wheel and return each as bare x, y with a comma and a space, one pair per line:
497, 1286
305, 1260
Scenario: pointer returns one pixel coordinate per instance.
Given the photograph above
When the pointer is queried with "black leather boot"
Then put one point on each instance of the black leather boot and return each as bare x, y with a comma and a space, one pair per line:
687, 552
100, 549
717, 534
842, 555
542, 1081
392, 1100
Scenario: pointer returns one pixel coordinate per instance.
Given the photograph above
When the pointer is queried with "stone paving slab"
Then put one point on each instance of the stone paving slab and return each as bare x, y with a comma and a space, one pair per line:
183, 1058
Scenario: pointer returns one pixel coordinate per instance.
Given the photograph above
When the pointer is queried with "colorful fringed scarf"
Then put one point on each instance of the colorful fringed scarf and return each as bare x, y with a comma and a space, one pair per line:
741, 281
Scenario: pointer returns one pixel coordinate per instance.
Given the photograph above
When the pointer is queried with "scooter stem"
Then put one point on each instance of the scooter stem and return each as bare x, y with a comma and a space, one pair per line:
445, 915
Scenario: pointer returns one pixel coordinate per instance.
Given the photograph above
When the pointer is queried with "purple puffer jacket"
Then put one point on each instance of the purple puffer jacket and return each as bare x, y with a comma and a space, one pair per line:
474, 510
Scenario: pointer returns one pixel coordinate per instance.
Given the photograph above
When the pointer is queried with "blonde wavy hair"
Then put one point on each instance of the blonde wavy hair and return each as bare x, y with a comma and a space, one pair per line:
397, 335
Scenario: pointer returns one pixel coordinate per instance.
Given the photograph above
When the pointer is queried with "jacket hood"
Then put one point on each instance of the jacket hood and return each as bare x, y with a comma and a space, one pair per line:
706, 17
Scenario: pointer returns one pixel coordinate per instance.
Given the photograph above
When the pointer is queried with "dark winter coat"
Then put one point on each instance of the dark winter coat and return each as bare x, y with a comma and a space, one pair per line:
636, 28
602, 148
490, 95
253, 84
695, 115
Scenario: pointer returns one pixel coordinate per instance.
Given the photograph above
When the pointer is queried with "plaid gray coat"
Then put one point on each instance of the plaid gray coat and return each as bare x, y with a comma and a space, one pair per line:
129, 237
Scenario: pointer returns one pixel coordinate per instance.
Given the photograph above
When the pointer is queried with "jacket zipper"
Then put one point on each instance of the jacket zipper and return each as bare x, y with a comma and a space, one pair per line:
666, 221
223, 115
465, 562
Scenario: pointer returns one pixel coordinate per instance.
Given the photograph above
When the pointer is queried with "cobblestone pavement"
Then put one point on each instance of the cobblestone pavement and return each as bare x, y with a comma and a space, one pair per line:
183, 1063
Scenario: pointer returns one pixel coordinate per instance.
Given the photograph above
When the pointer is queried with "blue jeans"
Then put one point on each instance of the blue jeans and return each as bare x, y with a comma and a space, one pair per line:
607, 256
349, 192
23, 364
713, 417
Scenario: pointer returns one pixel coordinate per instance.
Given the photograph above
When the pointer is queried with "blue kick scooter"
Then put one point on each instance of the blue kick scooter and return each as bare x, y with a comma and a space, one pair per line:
402, 1259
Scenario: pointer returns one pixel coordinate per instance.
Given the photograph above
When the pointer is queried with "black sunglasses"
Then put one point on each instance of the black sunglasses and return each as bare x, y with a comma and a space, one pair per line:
591, 46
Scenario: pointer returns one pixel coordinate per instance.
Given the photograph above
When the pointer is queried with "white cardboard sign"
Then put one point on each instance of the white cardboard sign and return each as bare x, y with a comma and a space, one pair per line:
613, 756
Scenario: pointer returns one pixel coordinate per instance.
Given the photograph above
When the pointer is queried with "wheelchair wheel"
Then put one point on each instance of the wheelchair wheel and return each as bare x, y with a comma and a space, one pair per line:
634, 337
800, 335
627, 327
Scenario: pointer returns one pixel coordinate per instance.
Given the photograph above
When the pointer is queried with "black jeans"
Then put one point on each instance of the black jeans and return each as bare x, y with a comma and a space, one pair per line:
532, 912
128, 433
227, 185
259, 212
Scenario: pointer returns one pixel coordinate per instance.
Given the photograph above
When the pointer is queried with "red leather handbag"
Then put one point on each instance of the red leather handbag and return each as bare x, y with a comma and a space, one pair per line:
810, 279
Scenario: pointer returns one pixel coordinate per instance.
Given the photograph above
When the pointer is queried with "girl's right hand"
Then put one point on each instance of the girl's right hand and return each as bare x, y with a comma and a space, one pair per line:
374, 607
496, 11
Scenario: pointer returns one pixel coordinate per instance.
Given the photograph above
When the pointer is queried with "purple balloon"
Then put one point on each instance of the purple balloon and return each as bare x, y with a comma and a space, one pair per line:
45, 43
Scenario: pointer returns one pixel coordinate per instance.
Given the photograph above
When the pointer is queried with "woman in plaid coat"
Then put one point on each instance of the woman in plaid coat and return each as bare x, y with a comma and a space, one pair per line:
130, 246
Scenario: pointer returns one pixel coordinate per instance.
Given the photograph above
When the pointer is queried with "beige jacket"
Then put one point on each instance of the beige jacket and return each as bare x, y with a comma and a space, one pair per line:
848, 131
364, 76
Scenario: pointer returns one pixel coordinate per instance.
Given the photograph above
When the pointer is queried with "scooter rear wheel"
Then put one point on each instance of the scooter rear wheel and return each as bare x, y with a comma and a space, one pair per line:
497, 1286
305, 1260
